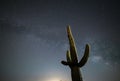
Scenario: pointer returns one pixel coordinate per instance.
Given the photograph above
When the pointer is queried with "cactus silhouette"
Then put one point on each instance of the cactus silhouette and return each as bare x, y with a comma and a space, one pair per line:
72, 60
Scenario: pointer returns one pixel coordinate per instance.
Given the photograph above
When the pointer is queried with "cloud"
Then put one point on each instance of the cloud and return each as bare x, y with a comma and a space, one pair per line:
42, 31
96, 59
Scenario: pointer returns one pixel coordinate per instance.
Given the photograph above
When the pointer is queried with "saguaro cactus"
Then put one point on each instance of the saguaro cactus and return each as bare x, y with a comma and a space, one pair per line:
72, 60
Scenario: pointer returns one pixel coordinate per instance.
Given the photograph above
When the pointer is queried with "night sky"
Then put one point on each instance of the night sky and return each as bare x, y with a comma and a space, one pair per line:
33, 39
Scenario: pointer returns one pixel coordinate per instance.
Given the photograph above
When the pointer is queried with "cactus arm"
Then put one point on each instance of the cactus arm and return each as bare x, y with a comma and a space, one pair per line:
85, 57
73, 51
64, 63
68, 57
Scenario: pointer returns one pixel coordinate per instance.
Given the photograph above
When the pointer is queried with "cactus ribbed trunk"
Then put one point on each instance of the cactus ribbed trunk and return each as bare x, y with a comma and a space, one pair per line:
76, 74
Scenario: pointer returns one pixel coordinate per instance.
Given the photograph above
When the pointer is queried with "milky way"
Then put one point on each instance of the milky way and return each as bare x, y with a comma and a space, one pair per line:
33, 39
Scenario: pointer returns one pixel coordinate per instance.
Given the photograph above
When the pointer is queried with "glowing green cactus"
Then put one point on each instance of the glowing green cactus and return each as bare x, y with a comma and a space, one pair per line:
72, 60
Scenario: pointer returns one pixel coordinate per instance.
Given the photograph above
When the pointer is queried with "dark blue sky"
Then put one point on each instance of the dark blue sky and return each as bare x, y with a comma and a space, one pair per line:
33, 39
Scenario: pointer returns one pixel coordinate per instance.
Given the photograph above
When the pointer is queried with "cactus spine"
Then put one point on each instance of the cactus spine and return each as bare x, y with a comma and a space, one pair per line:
72, 60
